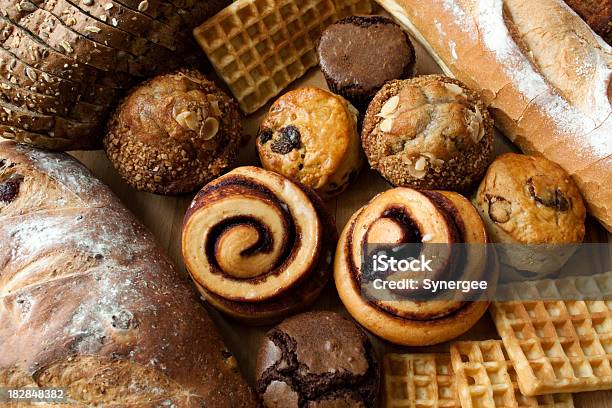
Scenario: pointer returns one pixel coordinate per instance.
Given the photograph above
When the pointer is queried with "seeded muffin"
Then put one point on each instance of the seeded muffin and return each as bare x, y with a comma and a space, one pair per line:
174, 133
530, 200
358, 54
317, 360
310, 135
429, 132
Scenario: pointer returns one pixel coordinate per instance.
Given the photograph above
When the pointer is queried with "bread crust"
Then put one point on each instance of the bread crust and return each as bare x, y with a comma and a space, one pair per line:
100, 305
478, 43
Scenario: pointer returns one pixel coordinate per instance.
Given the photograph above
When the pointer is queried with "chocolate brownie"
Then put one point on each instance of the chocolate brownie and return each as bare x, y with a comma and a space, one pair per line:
358, 54
317, 359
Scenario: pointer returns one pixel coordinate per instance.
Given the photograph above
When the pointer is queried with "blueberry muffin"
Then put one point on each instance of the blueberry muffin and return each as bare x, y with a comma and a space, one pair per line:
429, 132
526, 201
358, 54
174, 133
310, 136
317, 360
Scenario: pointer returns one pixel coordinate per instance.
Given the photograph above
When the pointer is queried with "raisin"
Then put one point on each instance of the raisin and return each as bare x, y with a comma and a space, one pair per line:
288, 140
292, 133
265, 136
542, 193
9, 190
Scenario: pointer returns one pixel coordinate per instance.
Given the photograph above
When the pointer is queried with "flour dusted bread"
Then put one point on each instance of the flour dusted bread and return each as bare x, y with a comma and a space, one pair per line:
90, 303
544, 73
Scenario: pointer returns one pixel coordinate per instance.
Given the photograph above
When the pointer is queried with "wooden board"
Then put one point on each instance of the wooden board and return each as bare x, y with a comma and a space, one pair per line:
163, 215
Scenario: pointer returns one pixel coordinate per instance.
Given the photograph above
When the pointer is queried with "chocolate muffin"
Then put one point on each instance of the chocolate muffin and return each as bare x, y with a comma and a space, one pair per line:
317, 360
358, 54
174, 133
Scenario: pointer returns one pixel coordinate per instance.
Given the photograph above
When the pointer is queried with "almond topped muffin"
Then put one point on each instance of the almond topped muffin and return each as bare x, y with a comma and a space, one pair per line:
429, 132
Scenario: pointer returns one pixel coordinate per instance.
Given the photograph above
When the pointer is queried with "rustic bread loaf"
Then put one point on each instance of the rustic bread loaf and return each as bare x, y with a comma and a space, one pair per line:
91, 304
544, 73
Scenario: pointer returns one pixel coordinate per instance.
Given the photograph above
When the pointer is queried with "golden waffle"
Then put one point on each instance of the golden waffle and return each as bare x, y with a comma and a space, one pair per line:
486, 379
258, 47
419, 381
558, 345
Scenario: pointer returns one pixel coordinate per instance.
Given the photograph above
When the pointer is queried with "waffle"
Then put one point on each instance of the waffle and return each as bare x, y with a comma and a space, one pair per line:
419, 381
486, 379
258, 47
559, 345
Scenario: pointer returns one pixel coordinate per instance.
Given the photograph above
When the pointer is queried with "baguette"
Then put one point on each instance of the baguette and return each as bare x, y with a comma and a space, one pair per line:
544, 73
91, 304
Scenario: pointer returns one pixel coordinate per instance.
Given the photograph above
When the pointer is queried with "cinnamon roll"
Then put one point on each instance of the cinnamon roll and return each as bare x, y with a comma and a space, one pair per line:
258, 246
404, 216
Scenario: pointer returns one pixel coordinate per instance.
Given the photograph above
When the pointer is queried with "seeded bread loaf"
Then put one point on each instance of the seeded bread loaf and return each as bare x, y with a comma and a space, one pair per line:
133, 22
544, 73
44, 141
90, 302
52, 125
36, 53
49, 105
21, 74
54, 33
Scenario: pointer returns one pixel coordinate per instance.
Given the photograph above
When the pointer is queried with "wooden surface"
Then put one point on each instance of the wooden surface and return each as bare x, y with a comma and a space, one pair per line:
163, 215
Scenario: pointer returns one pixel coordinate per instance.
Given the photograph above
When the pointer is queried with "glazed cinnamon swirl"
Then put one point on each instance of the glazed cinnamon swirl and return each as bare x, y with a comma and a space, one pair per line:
257, 245
407, 216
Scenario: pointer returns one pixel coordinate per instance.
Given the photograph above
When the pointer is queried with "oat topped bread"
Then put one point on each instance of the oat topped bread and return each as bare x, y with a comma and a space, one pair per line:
429, 132
310, 135
174, 133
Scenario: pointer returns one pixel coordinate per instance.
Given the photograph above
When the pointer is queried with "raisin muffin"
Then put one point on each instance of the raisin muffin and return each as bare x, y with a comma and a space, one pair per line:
529, 200
317, 360
174, 133
358, 54
429, 132
310, 136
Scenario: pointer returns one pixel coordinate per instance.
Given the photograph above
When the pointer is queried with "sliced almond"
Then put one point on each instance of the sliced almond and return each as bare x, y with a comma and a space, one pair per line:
108, 6
70, 21
214, 107
454, 88
389, 107
420, 164
386, 125
187, 120
93, 29
210, 128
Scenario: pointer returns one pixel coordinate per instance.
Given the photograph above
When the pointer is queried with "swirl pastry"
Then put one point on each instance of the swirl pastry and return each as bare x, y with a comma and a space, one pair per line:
402, 216
258, 246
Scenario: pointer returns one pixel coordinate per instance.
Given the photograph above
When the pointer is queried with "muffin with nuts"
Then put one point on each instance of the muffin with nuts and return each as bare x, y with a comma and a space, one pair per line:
174, 133
429, 132
310, 135
533, 207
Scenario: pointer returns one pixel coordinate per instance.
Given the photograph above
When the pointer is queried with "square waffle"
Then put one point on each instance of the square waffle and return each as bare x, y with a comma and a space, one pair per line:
258, 47
559, 345
419, 381
487, 379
